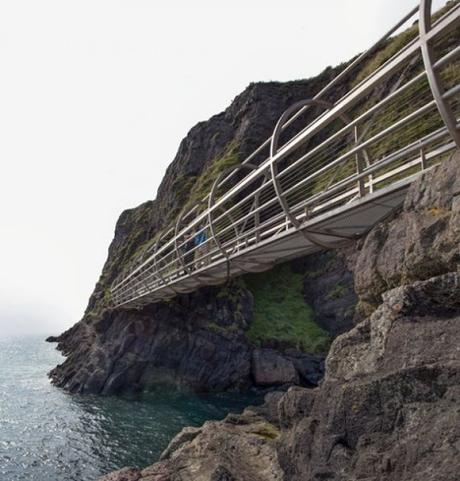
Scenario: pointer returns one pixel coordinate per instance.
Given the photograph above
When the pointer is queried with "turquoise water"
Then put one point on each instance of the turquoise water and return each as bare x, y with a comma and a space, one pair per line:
49, 435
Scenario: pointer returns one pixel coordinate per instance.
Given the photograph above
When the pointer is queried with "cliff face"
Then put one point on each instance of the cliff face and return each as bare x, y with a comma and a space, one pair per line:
206, 340
387, 408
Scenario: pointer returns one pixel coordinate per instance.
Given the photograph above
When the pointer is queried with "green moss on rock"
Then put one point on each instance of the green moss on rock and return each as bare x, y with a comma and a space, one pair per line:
266, 430
280, 311
338, 291
202, 184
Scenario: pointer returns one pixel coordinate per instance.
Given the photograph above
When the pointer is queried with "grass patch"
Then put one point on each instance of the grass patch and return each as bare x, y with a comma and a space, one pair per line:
201, 185
266, 430
280, 311
223, 330
338, 291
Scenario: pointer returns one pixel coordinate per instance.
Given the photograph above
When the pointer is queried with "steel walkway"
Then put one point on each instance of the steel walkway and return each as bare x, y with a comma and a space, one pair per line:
343, 165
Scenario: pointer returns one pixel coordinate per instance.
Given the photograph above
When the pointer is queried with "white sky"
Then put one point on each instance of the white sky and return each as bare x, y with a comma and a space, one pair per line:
95, 96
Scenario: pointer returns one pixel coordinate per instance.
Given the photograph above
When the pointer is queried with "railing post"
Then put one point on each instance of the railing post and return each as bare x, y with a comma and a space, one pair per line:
257, 216
423, 159
359, 165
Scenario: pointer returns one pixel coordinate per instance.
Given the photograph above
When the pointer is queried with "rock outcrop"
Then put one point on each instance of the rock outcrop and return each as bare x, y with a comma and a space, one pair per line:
420, 242
388, 408
329, 288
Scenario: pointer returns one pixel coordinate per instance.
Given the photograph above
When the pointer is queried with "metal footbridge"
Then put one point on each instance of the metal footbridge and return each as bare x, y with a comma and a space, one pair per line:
335, 165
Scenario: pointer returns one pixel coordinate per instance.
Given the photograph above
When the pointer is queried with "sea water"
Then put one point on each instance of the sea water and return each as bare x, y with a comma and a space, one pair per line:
47, 434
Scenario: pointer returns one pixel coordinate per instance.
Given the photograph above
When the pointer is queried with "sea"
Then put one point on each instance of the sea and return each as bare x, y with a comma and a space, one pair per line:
47, 434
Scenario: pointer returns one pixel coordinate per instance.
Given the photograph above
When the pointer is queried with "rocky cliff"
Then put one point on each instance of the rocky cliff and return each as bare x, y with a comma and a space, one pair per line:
388, 407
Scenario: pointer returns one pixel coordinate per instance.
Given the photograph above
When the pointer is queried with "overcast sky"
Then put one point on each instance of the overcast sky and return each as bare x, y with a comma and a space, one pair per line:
95, 96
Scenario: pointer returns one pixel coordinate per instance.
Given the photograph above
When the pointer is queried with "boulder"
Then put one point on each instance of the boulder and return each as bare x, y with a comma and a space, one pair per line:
269, 367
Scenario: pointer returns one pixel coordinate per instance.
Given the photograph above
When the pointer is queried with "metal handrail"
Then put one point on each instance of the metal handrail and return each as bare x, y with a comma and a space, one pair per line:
342, 75
292, 188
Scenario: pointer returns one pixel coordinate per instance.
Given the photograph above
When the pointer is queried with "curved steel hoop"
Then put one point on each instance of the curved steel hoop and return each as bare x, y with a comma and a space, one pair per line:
212, 194
274, 167
434, 79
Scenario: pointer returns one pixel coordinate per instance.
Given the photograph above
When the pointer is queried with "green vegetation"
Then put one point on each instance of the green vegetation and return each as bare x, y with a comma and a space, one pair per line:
392, 46
338, 291
181, 187
107, 296
266, 430
280, 312
223, 330
194, 189
395, 44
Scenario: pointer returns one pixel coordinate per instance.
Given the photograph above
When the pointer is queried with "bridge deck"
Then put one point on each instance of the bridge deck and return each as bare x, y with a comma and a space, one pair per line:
345, 170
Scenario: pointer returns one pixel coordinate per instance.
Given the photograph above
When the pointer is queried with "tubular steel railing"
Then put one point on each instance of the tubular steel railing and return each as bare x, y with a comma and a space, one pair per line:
399, 119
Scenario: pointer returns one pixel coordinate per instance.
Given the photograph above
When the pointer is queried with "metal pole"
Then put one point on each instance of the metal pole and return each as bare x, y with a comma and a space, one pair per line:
290, 217
359, 166
434, 79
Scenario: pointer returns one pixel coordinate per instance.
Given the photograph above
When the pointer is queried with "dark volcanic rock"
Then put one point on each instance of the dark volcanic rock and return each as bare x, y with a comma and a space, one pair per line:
269, 368
420, 242
329, 288
179, 343
386, 411
196, 342
309, 368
